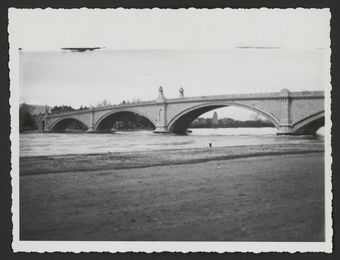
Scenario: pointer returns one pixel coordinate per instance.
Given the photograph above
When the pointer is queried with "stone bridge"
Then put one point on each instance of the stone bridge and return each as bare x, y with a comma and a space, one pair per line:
290, 112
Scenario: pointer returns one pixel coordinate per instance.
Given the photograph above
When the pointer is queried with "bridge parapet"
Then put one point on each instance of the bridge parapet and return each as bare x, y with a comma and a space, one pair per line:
234, 97
106, 108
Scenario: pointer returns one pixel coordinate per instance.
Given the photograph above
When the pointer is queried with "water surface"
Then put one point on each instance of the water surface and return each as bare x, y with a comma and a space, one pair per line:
37, 144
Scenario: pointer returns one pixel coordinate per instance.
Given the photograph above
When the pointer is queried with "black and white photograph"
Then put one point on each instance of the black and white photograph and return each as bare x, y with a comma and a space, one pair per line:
186, 130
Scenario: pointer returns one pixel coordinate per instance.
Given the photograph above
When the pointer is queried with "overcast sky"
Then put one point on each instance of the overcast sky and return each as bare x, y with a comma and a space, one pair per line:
202, 51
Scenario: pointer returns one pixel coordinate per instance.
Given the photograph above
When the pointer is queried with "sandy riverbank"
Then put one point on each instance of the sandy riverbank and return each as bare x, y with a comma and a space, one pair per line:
254, 198
106, 161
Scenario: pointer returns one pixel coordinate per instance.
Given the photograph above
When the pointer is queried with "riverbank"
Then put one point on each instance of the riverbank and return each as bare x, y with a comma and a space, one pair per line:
268, 198
255, 193
89, 162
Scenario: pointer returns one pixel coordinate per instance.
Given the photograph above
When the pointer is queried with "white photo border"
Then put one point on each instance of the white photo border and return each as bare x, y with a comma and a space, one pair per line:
16, 41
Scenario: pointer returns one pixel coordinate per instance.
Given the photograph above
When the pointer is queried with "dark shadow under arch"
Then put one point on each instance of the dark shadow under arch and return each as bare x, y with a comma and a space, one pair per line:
310, 125
180, 123
124, 120
68, 125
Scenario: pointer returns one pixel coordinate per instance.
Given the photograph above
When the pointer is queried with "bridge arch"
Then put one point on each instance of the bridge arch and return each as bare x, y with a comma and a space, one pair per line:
180, 122
310, 124
62, 123
122, 111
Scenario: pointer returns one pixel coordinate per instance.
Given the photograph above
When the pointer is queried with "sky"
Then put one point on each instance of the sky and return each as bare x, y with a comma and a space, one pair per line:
206, 52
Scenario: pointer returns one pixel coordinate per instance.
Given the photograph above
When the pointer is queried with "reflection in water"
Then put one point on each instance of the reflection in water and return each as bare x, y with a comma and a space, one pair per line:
35, 144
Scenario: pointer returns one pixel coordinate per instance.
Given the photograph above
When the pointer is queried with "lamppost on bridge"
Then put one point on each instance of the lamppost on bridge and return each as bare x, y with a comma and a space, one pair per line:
181, 92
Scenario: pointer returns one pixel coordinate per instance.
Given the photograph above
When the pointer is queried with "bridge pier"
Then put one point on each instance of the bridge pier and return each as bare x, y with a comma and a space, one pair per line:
161, 125
161, 130
285, 130
91, 130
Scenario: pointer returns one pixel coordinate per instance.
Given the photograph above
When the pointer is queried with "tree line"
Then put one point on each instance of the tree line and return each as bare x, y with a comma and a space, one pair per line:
229, 123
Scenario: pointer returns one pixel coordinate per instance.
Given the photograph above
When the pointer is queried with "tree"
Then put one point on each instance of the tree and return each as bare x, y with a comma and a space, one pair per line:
26, 119
255, 117
103, 103
61, 109
136, 100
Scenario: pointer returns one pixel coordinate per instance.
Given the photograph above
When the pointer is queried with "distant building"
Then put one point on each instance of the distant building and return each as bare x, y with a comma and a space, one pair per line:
215, 121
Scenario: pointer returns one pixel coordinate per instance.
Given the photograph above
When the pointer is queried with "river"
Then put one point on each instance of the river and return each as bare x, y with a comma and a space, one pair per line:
38, 144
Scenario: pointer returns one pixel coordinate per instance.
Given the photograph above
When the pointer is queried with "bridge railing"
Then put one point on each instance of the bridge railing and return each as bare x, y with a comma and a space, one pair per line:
103, 108
270, 95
